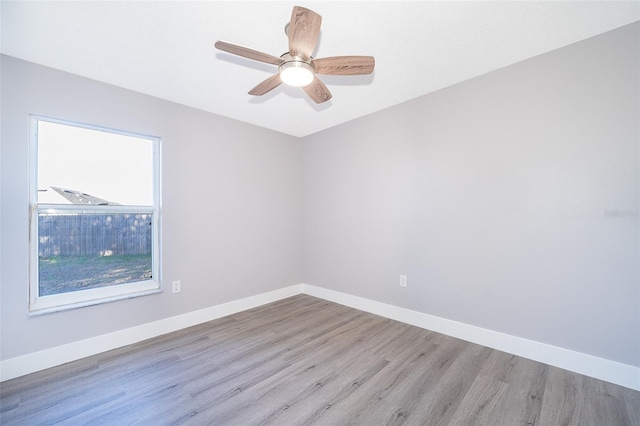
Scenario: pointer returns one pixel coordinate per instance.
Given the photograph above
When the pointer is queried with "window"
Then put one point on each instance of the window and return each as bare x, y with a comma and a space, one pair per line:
95, 216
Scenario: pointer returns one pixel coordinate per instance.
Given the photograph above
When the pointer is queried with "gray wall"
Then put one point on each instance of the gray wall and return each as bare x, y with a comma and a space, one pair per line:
494, 197
245, 180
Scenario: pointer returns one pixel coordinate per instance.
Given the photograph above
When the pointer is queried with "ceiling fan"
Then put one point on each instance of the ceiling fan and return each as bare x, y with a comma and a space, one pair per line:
297, 67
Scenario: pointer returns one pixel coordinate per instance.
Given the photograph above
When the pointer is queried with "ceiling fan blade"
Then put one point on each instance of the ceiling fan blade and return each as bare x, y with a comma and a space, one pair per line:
248, 53
344, 65
266, 86
317, 91
303, 32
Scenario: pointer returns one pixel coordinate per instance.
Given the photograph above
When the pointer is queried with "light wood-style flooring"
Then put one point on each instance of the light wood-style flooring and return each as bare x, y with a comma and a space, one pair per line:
306, 361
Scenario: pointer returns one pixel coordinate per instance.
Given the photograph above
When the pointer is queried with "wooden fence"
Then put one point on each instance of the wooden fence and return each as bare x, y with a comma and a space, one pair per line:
94, 234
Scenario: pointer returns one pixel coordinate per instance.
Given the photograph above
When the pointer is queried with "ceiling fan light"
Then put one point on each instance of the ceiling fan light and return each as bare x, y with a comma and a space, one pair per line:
296, 73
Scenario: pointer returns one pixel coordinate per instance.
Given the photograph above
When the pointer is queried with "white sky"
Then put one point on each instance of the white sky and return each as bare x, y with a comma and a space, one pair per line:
110, 166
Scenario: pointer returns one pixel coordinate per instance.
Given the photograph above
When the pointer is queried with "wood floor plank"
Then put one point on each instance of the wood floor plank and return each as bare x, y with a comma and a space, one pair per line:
574, 399
378, 396
393, 397
304, 360
632, 401
313, 353
441, 399
526, 380
519, 386
436, 365
481, 402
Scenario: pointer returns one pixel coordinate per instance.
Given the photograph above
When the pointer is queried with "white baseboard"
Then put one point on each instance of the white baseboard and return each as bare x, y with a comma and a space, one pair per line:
599, 368
36, 361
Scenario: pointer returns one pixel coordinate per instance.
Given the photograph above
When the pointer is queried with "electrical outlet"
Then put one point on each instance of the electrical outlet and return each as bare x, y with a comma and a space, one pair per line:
403, 280
176, 286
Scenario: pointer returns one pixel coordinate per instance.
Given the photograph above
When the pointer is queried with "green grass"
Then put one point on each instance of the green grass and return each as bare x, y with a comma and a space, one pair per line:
62, 274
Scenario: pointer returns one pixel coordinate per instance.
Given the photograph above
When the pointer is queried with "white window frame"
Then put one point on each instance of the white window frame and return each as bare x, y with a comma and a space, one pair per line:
76, 299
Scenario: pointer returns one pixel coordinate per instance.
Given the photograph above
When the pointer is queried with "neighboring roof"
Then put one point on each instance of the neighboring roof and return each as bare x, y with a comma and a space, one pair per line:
78, 197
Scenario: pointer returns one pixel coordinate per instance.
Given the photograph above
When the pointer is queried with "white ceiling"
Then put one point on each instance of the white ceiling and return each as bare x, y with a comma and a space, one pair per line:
165, 49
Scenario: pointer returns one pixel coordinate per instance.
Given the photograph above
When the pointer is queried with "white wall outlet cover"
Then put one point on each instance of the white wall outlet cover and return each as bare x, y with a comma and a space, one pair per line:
403, 280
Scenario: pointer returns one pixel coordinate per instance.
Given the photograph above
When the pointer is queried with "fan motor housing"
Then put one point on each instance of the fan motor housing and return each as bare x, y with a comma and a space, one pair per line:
295, 70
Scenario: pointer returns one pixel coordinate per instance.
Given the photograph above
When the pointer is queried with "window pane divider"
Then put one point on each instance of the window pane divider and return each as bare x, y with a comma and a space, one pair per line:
91, 208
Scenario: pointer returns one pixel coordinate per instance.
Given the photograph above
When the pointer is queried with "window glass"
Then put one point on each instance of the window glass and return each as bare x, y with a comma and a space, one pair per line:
106, 167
